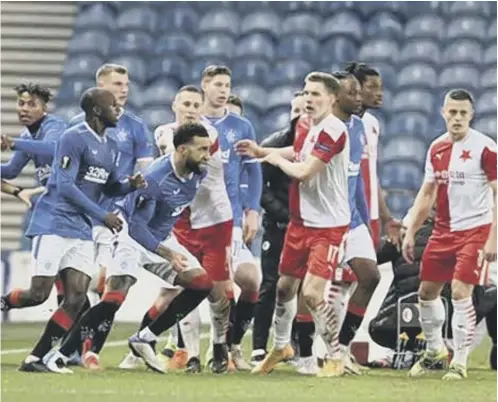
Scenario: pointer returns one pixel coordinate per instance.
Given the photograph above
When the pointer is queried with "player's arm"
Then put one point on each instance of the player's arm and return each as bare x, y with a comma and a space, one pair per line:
14, 166
45, 147
488, 164
138, 222
144, 147
164, 140
24, 194
115, 187
67, 163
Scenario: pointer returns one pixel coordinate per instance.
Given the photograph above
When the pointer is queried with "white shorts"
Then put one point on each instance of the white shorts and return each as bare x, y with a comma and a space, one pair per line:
103, 239
359, 244
130, 257
53, 253
240, 252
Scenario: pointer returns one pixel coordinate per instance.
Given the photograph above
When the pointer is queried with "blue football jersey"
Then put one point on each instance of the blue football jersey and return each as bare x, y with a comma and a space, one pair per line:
233, 128
85, 167
49, 132
134, 142
357, 198
152, 212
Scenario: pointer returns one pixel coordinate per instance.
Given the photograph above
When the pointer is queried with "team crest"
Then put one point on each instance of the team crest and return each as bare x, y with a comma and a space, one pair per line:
121, 135
231, 135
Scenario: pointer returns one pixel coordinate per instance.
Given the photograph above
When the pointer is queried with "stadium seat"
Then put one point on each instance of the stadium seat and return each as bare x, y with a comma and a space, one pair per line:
387, 99
413, 101
282, 96
463, 51
177, 44
490, 55
298, 47
491, 36
137, 67
420, 50
467, 27
401, 175
94, 42
215, 45
251, 71
425, 26
133, 43
160, 93
384, 24
302, 23
71, 90
387, 72
255, 45
399, 203
487, 125
99, 16
82, 66
379, 50
253, 95
417, 75
343, 23
169, 66
458, 76
67, 112
135, 97
154, 117
266, 22
338, 49
206, 6
290, 72
277, 119
220, 21
137, 19
487, 102
411, 9
409, 123
407, 148
488, 79
286, 7
477, 8
179, 19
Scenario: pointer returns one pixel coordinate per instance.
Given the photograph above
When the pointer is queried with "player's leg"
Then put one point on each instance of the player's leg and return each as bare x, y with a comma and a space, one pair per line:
190, 332
436, 269
305, 329
271, 248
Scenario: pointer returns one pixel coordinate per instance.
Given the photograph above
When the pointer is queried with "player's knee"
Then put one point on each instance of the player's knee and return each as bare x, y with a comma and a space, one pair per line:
369, 278
201, 281
40, 294
461, 290
74, 301
312, 298
428, 291
286, 288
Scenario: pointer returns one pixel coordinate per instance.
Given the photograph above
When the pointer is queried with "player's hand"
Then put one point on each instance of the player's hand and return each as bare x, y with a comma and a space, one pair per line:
7, 142
248, 148
137, 181
179, 261
26, 194
408, 248
251, 224
113, 222
393, 230
490, 249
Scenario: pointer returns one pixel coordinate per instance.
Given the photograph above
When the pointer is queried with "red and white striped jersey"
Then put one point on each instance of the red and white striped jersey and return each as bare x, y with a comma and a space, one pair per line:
322, 201
462, 171
369, 164
211, 204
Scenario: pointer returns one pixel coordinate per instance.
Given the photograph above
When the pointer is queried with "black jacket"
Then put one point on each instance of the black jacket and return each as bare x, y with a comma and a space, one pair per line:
275, 196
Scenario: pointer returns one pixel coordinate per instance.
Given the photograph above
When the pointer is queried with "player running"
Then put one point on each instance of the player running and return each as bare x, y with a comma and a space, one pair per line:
84, 168
216, 84
320, 217
460, 178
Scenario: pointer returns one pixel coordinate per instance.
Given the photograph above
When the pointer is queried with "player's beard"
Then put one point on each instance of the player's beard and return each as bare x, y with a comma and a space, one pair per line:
193, 167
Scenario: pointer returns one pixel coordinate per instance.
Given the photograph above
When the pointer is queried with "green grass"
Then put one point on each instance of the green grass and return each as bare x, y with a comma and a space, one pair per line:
114, 385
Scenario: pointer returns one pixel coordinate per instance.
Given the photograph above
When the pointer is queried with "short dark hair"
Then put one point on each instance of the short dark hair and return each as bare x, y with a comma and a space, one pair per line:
327, 79
189, 88
460, 94
361, 71
44, 94
342, 75
186, 132
236, 101
298, 93
214, 70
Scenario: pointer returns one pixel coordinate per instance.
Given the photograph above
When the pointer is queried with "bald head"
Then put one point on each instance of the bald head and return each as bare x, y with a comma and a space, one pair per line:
100, 103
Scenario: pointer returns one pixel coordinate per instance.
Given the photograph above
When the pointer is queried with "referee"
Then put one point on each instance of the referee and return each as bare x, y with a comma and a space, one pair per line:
275, 202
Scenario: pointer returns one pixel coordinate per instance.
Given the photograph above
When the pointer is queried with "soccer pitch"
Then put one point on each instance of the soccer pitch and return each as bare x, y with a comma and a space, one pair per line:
114, 385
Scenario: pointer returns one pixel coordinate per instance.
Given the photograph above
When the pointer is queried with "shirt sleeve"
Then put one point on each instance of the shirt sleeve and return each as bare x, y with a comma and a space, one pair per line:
326, 147
429, 168
46, 147
12, 168
249, 135
144, 142
488, 162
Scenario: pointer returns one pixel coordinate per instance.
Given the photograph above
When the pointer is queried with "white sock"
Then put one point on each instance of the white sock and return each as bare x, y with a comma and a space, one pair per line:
463, 325
284, 315
173, 336
220, 315
338, 296
147, 335
320, 350
190, 327
432, 315
326, 325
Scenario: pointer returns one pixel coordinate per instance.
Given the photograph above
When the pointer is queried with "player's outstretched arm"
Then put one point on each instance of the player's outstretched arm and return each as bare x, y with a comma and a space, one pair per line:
116, 188
253, 150
14, 167
301, 171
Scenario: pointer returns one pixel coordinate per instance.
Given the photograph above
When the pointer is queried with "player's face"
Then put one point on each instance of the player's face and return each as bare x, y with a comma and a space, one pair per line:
118, 85
29, 108
196, 154
187, 107
317, 100
109, 110
297, 107
349, 96
371, 93
217, 89
458, 114
234, 109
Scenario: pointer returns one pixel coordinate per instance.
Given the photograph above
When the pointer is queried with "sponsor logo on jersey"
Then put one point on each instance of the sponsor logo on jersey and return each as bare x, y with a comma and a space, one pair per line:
96, 174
